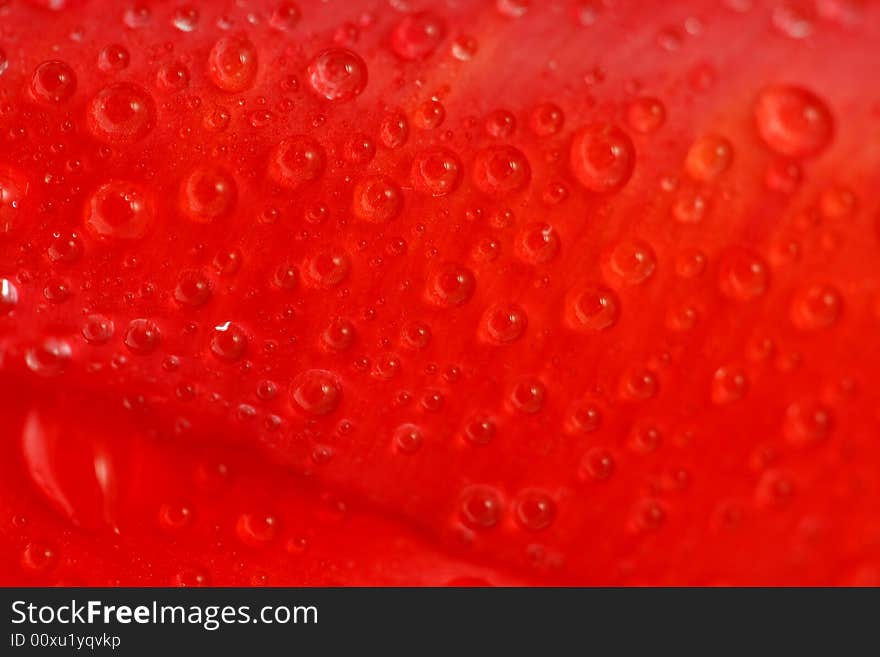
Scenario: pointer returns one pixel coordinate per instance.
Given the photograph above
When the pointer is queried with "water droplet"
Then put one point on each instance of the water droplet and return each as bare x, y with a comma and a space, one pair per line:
602, 157
119, 210
326, 269
229, 342
451, 285
528, 396
207, 194
729, 384
417, 36
480, 430
113, 58
193, 289
436, 171
53, 82
38, 556
285, 17
838, 202
465, 48
143, 336
646, 115
793, 21
185, 18
8, 296
174, 517
584, 416
98, 329
708, 158
121, 113
481, 507
256, 530
546, 120
501, 170
408, 438
597, 464
430, 115
792, 121
535, 510
512, 8
639, 384
415, 335
505, 322
538, 243
65, 248
630, 262
172, 77
593, 308
359, 149
743, 276
816, 306
807, 422
14, 188
296, 161
377, 199
232, 64
339, 334
500, 124
316, 392
337, 74
49, 358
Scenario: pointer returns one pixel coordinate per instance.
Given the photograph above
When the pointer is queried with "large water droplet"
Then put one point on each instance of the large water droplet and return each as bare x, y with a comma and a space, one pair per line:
602, 157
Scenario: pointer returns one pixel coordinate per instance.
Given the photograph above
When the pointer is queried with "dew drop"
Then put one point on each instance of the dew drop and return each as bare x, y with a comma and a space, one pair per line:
316, 392
451, 285
327, 268
743, 276
98, 329
729, 384
602, 157
792, 121
816, 307
417, 36
285, 17
50, 358
408, 438
8, 296
436, 171
377, 199
535, 510
193, 289
142, 336
538, 243
501, 170
593, 308
119, 210
53, 82
505, 322
121, 113
630, 262
708, 158
337, 74
546, 120
256, 530
296, 161
480, 430
229, 342
339, 334
232, 64
481, 507
208, 193
528, 396
807, 422
646, 115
